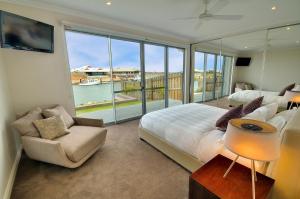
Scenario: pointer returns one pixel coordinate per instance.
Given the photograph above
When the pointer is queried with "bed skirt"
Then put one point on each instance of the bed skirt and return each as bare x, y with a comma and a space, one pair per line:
182, 158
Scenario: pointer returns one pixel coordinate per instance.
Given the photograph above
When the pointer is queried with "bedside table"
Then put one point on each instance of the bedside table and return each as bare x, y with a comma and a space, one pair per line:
208, 182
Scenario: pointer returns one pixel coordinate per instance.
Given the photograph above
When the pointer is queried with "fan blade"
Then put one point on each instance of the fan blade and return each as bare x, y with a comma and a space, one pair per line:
219, 6
185, 18
226, 17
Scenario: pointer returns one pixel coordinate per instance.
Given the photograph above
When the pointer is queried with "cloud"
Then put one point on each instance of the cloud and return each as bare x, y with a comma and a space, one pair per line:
88, 49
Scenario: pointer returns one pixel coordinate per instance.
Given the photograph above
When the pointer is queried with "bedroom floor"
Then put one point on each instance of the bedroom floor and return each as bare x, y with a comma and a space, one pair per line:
125, 168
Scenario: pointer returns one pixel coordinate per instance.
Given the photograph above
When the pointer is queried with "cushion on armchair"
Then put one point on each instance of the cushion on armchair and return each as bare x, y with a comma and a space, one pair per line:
81, 141
24, 125
59, 110
51, 127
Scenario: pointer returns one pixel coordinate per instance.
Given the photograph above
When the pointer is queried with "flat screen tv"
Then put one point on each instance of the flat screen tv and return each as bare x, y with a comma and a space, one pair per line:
25, 34
243, 61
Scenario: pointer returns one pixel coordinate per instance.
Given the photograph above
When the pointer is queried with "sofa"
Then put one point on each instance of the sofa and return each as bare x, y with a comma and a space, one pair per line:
85, 136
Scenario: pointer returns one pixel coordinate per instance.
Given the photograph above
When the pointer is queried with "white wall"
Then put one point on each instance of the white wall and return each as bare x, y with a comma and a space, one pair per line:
282, 68
8, 141
38, 79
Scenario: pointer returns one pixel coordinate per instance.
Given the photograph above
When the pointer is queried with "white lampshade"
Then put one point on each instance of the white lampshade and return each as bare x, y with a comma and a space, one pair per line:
262, 145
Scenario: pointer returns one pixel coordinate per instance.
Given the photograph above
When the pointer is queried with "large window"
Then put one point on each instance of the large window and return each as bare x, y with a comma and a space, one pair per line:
212, 76
175, 76
118, 79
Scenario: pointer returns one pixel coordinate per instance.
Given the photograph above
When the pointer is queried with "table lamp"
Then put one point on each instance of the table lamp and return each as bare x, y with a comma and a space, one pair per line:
293, 97
254, 140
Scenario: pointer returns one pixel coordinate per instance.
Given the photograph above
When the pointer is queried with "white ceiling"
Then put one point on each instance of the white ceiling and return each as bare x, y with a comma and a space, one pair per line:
158, 15
279, 38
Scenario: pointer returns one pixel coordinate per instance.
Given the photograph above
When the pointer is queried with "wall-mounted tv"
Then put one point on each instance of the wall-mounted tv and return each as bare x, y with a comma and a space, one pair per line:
21, 33
243, 61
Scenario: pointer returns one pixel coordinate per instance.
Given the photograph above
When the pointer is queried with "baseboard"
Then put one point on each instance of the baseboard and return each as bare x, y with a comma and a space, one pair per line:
12, 175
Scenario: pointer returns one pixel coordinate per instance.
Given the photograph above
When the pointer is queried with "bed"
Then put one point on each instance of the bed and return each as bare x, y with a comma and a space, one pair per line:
245, 96
187, 134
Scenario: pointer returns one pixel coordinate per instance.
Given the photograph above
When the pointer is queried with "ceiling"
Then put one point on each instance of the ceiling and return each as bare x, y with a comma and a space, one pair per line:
158, 15
280, 38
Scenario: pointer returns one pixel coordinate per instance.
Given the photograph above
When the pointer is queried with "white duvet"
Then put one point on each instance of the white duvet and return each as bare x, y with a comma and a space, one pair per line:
246, 96
189, 127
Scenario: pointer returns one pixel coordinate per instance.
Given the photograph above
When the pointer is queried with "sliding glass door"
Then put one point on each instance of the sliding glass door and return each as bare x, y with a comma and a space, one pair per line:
118, 79
126, 76
175, 76
90, 75
155, 66
198, 82
212, 76
209, 77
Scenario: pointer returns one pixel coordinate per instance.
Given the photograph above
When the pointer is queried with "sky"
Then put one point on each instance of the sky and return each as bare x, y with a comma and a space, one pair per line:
199, 61
88, 49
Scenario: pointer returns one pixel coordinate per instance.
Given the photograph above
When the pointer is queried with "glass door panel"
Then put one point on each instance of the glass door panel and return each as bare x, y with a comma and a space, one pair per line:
175, 76
219, 77
227, 76
90, 75
126, 76
209, 78
154, 57
199, 77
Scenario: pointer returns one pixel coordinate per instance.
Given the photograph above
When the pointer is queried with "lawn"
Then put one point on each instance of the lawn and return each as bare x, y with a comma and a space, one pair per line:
105, 107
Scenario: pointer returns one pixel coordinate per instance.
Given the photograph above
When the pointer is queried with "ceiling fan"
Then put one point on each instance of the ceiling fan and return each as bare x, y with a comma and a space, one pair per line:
208, 14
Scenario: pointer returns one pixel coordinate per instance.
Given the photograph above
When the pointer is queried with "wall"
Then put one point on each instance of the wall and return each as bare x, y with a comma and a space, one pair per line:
8, 141
282, 68
38, 79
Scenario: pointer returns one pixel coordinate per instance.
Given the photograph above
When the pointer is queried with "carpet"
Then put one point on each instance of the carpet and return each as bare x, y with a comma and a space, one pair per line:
125, 168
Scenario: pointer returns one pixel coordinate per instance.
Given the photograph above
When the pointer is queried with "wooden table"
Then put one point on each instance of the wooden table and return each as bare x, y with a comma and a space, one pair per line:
208, 182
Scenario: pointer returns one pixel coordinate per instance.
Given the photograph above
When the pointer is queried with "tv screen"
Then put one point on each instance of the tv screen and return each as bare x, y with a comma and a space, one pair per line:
243, 61
25, 34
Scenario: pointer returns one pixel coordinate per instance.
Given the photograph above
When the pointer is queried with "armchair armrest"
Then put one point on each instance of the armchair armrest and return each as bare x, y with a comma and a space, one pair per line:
88, 122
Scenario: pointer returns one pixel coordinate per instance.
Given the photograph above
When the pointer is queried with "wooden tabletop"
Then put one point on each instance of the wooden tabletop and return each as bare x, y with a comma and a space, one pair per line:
236, 185
266, 128
295, 99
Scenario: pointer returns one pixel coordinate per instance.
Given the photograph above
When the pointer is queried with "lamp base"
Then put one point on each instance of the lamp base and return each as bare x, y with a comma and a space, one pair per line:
253, 174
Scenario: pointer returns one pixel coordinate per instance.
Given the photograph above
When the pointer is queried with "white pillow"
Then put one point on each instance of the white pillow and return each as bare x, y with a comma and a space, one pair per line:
263, 113
279, 122
296, 88
287, 114
271, 110
258, 114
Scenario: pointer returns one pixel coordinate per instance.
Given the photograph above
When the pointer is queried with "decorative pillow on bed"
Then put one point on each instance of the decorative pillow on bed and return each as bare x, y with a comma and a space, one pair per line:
251, 106
222, 122
288, 88
263, 113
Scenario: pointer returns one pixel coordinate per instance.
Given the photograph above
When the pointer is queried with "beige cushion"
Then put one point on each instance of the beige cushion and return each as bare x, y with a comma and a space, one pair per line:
25, 126
81, 141
59, 110
51, 127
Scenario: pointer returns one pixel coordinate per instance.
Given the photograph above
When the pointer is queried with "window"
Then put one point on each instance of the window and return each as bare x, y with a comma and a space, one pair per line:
118, 79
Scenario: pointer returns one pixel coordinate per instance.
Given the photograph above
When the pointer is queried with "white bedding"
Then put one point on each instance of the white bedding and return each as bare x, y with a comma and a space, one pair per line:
189, 127
246, 96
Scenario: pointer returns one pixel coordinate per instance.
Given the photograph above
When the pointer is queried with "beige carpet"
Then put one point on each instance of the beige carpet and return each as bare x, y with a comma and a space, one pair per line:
126, 168
221, 103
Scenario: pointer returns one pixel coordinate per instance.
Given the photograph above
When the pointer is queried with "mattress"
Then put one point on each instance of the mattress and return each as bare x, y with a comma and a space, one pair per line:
245, 96
189, 127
